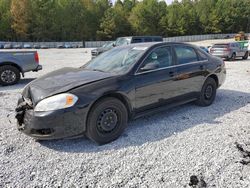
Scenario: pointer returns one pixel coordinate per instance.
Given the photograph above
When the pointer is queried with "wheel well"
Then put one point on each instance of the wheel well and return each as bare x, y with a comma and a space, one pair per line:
117, 96
12, 64
215, 78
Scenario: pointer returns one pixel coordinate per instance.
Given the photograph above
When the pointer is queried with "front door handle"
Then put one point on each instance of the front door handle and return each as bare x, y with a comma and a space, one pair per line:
201, 67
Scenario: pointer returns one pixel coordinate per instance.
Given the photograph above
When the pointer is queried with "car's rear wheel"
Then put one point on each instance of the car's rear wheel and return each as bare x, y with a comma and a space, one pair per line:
107, 120
9, 75
245, 56
208, 93
233, 57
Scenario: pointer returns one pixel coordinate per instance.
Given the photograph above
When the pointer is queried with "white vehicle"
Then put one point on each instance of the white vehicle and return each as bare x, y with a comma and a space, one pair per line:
248, 47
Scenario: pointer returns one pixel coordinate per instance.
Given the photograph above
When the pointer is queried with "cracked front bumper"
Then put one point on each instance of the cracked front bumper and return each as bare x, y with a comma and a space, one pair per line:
53, 124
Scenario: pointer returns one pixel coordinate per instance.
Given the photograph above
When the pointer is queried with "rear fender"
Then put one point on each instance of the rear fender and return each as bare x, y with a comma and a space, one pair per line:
16, 64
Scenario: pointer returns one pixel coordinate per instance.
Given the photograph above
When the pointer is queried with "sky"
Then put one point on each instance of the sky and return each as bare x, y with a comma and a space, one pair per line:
169, 1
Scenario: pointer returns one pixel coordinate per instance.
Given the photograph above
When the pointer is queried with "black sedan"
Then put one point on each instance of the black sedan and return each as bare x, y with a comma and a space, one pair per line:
124, 83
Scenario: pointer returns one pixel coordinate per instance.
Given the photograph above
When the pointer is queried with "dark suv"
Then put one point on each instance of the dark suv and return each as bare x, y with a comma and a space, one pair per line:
125, 41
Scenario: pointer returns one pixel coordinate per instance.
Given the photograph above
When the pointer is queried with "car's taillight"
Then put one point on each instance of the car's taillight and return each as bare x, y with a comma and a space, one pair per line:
36, 57
226, 49
211, 50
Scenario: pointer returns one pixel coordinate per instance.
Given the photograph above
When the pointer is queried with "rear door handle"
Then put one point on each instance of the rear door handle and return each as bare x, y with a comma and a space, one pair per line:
201, 67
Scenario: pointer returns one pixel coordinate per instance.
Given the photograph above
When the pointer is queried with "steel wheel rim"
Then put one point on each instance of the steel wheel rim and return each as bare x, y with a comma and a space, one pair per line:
209, 92
107, 120
8, 76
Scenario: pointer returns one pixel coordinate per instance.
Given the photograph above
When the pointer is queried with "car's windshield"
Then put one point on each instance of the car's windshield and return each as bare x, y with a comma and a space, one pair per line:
122, 41
117, 60
107, 44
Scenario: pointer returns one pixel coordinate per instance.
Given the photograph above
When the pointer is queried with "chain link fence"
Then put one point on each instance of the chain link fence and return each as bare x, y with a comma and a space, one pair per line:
95, 44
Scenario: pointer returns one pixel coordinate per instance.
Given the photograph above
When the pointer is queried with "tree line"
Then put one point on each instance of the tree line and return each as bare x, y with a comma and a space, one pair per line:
82, 20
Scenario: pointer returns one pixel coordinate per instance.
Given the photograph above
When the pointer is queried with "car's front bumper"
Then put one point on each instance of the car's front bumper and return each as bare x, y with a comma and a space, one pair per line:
53, 124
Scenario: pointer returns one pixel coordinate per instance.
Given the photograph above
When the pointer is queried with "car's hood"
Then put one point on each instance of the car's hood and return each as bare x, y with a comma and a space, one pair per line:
61, 81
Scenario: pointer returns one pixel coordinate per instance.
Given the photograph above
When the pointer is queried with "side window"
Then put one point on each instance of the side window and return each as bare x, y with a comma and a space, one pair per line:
202, 56
185, 54
136, 40
147, 39
157, 39
159, 58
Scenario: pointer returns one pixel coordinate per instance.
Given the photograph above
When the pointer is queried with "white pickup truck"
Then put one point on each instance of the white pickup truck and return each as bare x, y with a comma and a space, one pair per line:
13, 64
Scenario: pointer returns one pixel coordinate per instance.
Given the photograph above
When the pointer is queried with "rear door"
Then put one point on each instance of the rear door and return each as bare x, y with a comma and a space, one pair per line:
191, 70
154, 87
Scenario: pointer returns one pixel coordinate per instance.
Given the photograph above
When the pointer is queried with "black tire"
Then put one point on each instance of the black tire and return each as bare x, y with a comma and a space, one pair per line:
245, 56
233, 57
107, 120
208, 93
9, 75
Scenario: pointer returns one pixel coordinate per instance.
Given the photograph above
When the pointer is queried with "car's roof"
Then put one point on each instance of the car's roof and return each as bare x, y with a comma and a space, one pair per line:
150, 44
146, 36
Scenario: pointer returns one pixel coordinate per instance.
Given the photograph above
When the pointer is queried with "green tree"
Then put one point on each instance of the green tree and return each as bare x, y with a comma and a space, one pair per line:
69, 20
146, 16
208, 17
115, 23
181, 19
46, 20
6, 32
233, 15
21, 17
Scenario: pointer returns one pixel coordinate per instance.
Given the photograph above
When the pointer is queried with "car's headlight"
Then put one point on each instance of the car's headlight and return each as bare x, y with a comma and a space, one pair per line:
60, 101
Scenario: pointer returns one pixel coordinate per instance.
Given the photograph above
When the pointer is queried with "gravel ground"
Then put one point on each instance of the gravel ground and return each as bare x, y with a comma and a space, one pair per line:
161, 150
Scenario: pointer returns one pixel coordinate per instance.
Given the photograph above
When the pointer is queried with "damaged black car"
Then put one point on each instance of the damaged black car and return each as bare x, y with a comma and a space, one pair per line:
127, 82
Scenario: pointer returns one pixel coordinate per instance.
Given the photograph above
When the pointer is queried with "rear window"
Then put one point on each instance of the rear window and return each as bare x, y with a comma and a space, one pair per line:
220, 46
157, 39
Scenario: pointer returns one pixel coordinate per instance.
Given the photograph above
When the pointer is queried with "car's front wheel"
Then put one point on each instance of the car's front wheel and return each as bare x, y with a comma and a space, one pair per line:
9, 75
107, 120
208, 93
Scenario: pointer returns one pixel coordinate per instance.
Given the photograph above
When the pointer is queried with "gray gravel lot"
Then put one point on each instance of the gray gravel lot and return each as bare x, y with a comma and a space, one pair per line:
161, 150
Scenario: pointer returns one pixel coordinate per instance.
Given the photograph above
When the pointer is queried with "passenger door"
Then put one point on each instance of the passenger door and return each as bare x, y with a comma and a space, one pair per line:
155, 79
191, 70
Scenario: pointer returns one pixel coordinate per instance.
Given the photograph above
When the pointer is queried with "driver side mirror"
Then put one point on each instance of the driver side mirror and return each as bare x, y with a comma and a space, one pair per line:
113, 45
149, 66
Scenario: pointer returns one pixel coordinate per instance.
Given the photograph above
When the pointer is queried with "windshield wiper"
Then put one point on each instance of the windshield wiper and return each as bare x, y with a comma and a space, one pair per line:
98, 70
